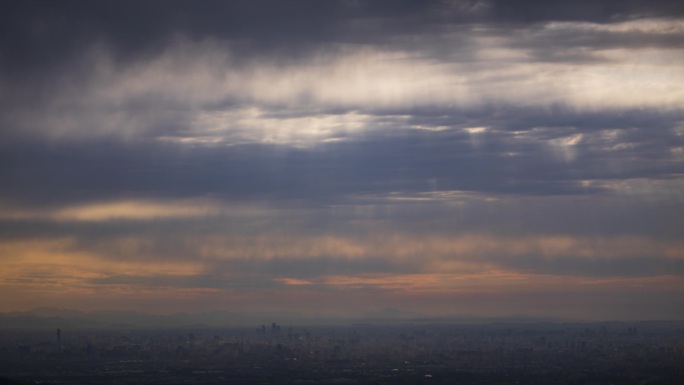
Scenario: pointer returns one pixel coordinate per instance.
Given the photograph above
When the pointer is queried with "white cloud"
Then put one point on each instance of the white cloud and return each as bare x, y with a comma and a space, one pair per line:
198, 92
252, 124
658, 26
132, 210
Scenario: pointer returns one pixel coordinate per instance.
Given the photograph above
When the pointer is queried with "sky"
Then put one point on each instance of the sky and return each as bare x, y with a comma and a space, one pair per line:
332, 158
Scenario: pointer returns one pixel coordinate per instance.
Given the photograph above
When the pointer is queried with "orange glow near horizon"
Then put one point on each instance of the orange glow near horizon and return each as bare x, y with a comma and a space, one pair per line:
63, 273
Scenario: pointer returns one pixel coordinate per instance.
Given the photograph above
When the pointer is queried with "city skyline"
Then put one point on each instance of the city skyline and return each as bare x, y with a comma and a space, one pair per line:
334, 158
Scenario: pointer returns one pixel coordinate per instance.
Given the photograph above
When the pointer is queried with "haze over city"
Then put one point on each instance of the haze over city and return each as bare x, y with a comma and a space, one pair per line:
336, 158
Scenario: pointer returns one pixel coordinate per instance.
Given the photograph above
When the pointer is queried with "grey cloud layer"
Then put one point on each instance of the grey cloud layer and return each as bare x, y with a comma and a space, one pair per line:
537, 153
260, 141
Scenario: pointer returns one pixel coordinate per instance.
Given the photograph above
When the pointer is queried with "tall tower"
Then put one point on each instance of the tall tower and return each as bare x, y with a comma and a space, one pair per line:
59, 340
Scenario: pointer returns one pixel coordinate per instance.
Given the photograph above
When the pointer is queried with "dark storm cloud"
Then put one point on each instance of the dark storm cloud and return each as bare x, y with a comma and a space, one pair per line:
36, 32
583, 10
40, 33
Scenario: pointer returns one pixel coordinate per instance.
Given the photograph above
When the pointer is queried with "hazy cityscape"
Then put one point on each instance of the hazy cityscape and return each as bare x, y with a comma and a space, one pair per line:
394, 353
